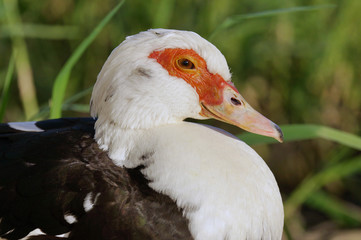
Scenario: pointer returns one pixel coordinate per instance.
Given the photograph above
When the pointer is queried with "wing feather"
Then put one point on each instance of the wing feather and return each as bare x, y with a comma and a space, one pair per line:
47, 176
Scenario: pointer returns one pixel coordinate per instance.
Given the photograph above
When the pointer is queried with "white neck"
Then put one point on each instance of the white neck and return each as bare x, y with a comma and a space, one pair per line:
224, 188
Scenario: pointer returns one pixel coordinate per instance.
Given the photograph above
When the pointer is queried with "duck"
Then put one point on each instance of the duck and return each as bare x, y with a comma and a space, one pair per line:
136, 169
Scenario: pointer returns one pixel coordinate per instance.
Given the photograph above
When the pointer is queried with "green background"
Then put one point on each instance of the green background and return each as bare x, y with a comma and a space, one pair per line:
296, 62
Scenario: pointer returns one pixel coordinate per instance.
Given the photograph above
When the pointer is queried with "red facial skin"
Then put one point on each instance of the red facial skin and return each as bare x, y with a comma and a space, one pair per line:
209, 86
218, 98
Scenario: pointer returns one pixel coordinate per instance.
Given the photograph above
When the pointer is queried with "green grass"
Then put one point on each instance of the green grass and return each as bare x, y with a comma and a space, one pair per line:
238, 19
22, 61
295, 62
6, 88
62, 79
319, 179
40, 31
339, 210
297, 132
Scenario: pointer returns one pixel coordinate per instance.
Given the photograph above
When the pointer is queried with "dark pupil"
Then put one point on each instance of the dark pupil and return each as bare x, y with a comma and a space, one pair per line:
185, 63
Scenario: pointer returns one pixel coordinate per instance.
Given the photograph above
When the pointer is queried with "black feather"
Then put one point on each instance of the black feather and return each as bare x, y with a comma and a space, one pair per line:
45, 175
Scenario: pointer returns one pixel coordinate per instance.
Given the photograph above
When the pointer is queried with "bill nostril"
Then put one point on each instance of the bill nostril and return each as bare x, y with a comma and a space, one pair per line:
236, 102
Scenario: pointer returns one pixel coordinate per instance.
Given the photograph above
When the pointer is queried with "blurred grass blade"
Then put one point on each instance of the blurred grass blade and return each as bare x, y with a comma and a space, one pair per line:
78, 95
62, 79
341, 211
236, 19
71, 106
287, 231
311, 184
82, 108
44, 111
28, 30
296, 132
22, 61
6, 87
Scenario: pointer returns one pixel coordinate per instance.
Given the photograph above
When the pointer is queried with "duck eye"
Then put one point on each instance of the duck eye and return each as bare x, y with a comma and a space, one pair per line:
185, 63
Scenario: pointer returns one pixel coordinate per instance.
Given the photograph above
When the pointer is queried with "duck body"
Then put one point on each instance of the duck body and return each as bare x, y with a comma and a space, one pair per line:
58, 182
138, 171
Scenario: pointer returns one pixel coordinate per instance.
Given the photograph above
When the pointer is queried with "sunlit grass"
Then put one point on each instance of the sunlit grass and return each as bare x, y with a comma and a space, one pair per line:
26, 86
